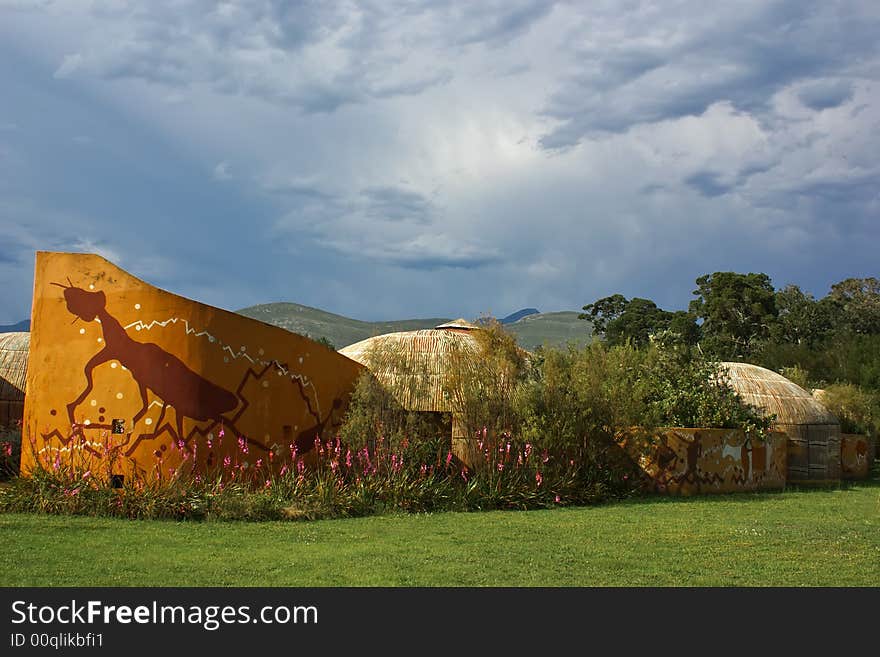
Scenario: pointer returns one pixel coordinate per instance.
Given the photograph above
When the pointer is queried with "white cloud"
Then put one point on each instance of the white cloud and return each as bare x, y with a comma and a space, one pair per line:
221, 171
69, 65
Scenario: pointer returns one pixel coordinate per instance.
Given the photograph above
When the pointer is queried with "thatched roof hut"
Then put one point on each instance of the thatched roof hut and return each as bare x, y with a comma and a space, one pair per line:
13, 370
813, 432
413, 364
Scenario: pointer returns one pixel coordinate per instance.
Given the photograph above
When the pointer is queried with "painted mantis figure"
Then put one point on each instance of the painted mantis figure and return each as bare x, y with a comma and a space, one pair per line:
152, 368
168, 378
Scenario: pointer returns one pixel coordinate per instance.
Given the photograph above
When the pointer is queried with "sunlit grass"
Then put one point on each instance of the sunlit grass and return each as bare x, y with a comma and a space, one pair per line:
796, 538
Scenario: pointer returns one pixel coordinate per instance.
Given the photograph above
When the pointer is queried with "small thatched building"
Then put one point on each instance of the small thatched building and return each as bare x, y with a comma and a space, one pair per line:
813, 432
13, 369
414, 365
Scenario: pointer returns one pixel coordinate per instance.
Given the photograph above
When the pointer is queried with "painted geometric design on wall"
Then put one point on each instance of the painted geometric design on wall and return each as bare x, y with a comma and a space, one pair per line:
165, 379
691, 461
856, 455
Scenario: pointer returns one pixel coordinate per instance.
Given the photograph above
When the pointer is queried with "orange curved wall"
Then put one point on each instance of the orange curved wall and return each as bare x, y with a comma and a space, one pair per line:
107, 346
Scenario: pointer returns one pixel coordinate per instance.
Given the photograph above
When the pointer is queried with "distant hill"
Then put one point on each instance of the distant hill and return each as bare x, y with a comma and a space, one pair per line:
519, 314
532, 330
551, 329
341, 331
23, 325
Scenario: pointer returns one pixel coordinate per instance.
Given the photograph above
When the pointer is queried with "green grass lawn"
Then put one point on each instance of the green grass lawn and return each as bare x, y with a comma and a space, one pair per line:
796, 538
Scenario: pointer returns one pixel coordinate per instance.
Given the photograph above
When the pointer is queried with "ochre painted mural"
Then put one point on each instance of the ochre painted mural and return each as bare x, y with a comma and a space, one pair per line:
691, 461
856, 455
137, 380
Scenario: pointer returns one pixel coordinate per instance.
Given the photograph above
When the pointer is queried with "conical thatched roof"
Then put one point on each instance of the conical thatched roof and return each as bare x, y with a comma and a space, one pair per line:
413, 364
13, 365
775, 394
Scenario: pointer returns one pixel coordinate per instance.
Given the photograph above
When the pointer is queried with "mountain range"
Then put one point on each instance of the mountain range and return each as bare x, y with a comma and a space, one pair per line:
531, 327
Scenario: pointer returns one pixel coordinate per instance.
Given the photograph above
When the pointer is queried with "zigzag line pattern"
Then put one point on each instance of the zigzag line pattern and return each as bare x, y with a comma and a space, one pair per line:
302, 380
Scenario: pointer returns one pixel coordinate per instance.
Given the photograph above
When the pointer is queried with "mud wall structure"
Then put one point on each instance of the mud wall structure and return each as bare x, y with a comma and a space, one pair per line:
133, 380
857, 453
697, 461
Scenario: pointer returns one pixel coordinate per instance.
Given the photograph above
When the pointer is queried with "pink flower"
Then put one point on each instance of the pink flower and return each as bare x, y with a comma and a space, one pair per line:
7, 448
259, 463
539, 478
558, 500
87, 474
448, 459
284, 469
500, 467
268, 483
348, 458
242, 445
227, 461
221, 432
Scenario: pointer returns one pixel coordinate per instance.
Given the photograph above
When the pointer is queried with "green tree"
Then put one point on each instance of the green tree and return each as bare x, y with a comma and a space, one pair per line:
801, 319
738, 312
858, 303
620, 320
603, 311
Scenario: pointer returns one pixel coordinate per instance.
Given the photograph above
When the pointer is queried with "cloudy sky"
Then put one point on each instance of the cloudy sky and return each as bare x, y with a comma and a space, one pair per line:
387, 159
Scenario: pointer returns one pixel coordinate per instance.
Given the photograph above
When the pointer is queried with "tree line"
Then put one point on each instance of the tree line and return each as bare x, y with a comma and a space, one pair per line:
737, 316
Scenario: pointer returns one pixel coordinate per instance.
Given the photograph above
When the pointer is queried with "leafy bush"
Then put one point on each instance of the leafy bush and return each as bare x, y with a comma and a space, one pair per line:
690, 390
374, 414
857, 409
579, 396
480, 382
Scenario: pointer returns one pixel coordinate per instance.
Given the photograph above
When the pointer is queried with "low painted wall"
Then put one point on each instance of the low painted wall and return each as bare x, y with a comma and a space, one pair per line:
693, 461
130, 379
856, 455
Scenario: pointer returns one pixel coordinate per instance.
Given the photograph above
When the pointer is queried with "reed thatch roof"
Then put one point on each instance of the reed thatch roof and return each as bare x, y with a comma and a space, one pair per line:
459, 323
775, 394
413, 364
13, 365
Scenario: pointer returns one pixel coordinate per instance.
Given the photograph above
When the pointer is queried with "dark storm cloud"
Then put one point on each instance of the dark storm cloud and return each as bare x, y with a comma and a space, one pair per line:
708, 184
826, 94
274, 50
743, 58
